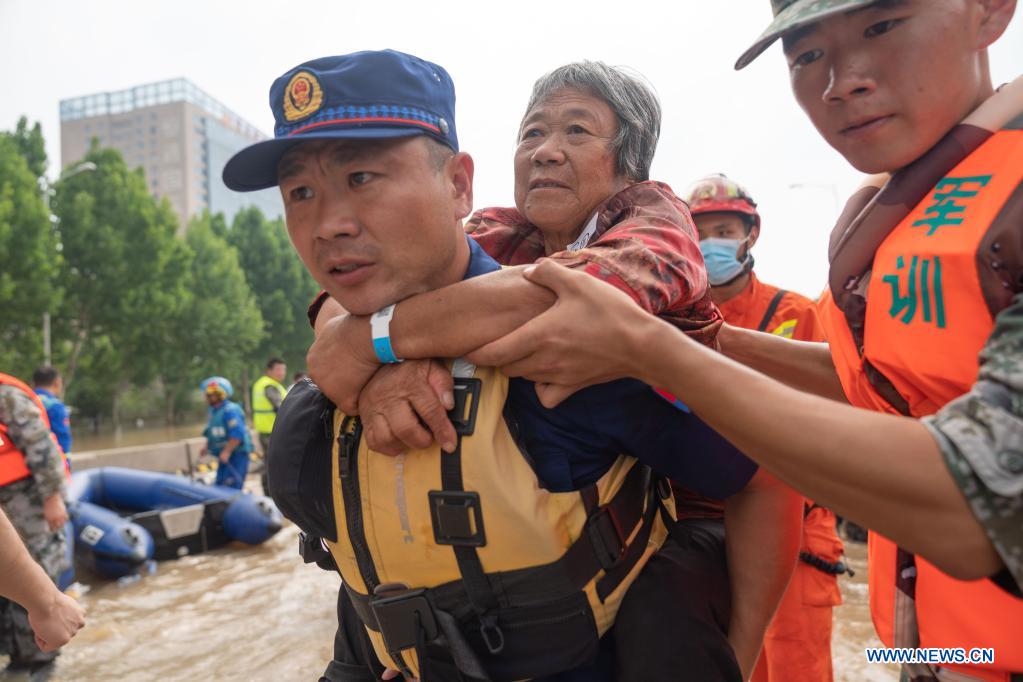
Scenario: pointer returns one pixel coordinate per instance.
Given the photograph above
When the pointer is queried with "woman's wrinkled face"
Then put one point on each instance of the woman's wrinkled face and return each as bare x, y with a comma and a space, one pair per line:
564, 166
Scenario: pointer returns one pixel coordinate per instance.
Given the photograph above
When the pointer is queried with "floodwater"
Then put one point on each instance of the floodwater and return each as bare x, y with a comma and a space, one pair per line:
250, 613
853, 629
129, 436
259, 613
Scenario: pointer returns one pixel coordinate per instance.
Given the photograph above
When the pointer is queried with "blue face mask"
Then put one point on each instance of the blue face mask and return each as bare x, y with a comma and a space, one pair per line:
721, 257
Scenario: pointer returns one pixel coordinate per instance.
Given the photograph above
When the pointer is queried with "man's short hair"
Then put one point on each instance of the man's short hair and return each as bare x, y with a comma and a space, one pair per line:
630, 97
439, 153
45, 375
273, 362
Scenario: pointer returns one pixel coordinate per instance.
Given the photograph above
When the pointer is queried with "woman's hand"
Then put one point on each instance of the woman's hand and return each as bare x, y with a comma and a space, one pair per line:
404, 407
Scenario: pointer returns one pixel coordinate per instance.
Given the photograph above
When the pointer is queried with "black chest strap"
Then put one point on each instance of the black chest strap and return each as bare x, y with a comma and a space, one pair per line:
772, 307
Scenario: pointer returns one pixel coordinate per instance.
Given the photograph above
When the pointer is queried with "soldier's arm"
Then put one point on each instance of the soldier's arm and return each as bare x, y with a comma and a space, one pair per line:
882, 471
54, 616
804, 365
980, 434
30, 434
274, 396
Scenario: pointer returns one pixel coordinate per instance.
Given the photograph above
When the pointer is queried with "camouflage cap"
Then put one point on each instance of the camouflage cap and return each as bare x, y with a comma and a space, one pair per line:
792, 14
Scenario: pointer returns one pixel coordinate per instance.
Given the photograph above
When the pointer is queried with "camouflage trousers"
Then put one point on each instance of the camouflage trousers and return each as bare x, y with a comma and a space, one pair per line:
24, 506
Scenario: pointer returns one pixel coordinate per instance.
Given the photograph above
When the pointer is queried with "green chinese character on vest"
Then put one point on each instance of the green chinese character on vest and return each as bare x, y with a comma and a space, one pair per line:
945, 211
923, 291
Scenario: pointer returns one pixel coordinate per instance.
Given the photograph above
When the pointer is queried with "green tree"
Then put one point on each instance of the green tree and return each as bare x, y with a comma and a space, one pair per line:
28, 246
118, 243
216, 323
282, 286
32, 146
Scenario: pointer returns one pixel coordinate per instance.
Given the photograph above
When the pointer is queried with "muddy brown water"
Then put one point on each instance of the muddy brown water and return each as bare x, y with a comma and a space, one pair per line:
259, 613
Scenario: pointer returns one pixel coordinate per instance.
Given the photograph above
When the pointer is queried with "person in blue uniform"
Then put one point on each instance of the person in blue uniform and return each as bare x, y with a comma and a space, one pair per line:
227, 439
49, 386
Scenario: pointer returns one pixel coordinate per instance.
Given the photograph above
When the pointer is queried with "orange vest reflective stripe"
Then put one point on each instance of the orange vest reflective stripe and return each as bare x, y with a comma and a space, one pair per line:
926, 321
12, 460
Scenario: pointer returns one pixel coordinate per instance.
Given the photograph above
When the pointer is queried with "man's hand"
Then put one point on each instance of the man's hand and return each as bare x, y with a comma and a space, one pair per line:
225, 456
55, 623
405, 407
592, 334
341, 360
55, 512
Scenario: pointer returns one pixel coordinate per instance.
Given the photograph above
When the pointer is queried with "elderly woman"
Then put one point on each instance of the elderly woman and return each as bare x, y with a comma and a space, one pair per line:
583, 198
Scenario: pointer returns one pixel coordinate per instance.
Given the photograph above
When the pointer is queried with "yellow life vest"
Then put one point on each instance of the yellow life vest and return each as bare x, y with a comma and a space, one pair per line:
463, 558
263, 412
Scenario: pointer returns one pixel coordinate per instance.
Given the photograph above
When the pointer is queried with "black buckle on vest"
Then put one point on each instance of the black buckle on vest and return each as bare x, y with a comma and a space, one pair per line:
467, 402
605, 537
312, 551
457, 518
401, 613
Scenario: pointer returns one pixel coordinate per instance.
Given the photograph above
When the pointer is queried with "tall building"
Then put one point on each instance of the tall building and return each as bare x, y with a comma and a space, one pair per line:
179, 135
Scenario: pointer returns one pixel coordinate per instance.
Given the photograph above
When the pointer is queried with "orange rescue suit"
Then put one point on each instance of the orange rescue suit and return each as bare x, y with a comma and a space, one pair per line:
927, 318
797, 647
12, 460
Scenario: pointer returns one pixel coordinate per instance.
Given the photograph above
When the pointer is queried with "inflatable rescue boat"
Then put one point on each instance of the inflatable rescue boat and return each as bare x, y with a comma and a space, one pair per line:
125, 517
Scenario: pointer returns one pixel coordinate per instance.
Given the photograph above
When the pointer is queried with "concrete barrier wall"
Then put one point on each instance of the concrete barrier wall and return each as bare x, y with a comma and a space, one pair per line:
167, 457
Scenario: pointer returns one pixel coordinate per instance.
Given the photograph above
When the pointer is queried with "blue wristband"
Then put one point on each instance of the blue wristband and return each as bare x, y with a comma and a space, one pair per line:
380, 329
385, 353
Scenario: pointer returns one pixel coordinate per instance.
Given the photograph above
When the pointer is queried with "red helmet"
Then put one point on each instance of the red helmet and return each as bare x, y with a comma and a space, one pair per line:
716, 193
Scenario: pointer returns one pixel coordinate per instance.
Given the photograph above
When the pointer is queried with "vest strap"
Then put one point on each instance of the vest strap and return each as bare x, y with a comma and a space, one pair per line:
444, 507
771, 308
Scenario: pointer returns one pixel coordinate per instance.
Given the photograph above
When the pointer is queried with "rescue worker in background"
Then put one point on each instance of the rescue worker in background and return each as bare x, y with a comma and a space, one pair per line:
227, 438
376, 220
922, 315
54, 616
267, 394
797, 647
33, 474
49, 386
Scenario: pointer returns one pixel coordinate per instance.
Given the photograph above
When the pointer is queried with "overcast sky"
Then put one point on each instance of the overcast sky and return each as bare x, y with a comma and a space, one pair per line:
745, 124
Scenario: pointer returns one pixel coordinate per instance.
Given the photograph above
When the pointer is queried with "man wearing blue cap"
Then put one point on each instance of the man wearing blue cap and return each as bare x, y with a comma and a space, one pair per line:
365, 154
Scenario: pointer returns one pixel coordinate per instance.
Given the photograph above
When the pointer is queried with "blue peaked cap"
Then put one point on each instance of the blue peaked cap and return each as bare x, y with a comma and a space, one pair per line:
363, 95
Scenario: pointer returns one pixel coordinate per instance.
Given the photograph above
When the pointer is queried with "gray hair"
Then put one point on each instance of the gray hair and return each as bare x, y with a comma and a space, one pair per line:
630, 97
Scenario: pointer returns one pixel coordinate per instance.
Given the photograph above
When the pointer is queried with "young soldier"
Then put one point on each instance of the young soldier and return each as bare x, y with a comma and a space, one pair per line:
797, 647
926, 273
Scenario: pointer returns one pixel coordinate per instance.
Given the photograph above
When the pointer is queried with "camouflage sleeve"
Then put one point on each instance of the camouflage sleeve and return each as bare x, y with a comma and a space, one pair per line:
274, 396
981, 438
30, 434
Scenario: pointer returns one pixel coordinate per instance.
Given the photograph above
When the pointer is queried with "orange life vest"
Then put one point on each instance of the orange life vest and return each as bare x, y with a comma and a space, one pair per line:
927, 317
12, 460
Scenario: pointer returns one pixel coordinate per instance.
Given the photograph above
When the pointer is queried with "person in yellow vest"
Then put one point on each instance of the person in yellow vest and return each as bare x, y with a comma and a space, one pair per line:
923, 319
267, 394
797, 647
507, 556
33, 475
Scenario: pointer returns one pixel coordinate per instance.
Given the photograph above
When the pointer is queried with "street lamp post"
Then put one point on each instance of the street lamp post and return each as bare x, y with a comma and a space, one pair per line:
821, 185
47, 189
